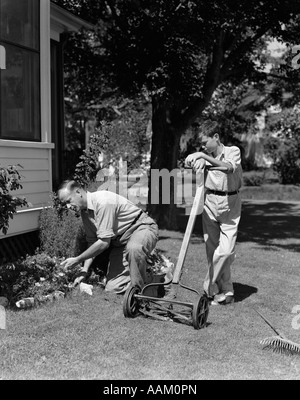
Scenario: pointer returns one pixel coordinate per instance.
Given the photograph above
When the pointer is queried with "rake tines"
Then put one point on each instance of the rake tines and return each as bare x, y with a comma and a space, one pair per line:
281, 345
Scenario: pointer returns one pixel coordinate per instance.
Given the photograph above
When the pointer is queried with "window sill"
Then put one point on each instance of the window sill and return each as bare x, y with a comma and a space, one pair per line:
20, 143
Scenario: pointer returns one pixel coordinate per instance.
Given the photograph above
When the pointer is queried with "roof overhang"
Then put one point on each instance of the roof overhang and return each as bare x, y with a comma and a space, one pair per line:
62, 20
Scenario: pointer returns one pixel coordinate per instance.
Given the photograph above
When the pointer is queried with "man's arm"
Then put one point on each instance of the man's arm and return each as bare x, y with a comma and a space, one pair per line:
84, 271
88, 255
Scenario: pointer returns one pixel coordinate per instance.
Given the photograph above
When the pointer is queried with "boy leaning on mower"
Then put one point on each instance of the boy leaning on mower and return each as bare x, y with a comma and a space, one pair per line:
120, 236
222, 209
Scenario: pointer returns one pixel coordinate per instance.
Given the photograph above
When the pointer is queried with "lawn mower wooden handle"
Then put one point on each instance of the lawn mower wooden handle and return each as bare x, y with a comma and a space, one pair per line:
212, 168
197, 203
188, 232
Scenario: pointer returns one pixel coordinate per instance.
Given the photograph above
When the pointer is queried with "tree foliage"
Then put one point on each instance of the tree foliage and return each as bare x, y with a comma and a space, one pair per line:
86, 170
283, 144
180, 52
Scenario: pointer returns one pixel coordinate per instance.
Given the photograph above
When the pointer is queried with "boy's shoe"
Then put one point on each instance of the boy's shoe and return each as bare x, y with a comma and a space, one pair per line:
223, 299
209, 298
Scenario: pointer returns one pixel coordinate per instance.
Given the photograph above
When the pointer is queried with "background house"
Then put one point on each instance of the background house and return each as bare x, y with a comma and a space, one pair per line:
32, 106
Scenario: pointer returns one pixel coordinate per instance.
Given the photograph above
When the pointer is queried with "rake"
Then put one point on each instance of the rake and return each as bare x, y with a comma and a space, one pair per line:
279, 343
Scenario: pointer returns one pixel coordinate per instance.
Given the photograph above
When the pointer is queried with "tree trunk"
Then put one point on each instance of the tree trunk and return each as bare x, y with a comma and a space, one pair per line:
167, 127
164, 156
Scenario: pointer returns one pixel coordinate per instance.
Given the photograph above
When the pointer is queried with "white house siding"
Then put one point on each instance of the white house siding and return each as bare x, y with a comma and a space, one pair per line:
35, 179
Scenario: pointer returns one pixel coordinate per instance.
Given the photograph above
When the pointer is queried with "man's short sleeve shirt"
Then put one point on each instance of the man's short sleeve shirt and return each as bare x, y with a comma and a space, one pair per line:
108, 215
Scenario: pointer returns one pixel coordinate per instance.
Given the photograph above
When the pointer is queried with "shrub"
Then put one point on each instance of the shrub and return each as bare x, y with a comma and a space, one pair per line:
287, 163
9, 181
285, 147
253, 179
61, 231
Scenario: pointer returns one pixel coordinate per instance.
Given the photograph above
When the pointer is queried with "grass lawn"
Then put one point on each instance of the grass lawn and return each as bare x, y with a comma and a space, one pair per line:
87, 337
271, 192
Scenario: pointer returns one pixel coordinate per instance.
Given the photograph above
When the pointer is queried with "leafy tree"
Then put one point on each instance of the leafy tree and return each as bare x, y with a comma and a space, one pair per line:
86, 170
91, 97
280, 88
180, 52
226, 107
283, 144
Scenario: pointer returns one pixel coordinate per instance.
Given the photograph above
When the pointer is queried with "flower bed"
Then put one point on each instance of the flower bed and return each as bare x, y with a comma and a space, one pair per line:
35, 277
40, 278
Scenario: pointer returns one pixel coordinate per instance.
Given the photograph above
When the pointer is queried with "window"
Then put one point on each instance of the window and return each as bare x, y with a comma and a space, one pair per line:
20, 79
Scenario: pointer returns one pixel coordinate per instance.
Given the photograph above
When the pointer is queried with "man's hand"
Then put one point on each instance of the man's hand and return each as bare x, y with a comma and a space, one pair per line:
69, 262
78, 280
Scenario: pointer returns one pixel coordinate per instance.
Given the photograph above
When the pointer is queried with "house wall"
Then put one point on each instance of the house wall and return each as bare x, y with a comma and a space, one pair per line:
34, 157
35, 178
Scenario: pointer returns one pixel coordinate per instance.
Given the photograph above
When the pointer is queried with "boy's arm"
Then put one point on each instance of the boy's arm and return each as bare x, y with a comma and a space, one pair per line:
193, 161
217, 163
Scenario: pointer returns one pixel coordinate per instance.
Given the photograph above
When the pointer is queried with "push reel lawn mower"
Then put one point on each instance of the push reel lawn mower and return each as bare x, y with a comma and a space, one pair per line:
167, 308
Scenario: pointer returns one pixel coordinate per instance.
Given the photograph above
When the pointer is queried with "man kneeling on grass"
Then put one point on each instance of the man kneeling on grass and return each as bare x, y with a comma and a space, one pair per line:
120, 236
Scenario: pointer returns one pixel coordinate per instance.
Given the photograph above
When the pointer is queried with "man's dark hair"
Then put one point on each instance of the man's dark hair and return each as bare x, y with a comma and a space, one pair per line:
208, 128
70, 185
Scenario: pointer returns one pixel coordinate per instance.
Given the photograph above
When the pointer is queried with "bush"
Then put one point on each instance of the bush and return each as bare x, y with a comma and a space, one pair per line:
287, 163
285, 147
253, 179
9, 181
61, 231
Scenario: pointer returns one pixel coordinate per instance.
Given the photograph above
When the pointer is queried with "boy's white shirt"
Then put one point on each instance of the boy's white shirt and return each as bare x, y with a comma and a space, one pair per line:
218, 180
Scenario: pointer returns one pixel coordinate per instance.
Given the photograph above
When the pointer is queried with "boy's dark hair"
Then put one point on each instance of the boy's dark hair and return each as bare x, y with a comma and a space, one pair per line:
208, 128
